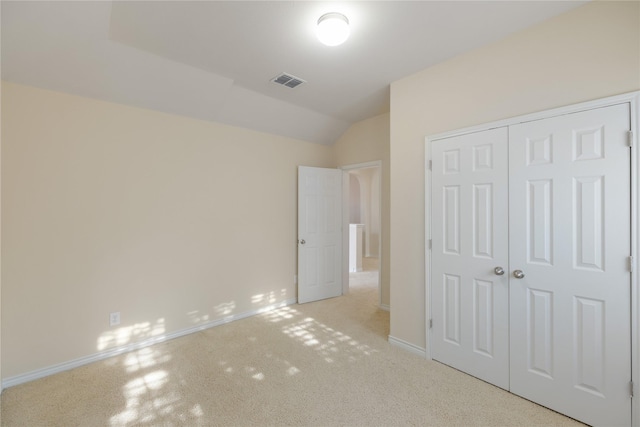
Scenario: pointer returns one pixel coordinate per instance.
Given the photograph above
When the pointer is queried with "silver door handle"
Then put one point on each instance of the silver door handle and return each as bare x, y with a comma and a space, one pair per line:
499, 271
302, 242
518, 274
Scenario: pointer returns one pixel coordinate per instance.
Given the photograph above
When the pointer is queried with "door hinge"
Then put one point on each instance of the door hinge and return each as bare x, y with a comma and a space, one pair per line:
631, 264
430, 164
429, 243
430, 323
630, 388
630, 135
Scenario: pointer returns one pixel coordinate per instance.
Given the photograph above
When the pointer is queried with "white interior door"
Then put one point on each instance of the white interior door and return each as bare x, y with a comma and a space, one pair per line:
569, 228
470, 302
319, 233
556, 328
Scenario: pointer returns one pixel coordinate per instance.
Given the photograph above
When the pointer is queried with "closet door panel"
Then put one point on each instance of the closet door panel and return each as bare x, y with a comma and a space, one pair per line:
469, 209
569, 234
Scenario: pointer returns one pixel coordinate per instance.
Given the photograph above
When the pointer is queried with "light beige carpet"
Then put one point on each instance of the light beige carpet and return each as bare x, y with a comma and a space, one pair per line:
326, 363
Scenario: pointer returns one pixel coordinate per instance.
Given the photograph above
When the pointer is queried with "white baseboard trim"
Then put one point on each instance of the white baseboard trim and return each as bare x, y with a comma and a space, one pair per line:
65, 366
408, 346
385, 307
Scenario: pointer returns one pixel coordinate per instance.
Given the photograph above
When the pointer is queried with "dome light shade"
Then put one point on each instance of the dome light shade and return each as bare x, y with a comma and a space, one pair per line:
333, 29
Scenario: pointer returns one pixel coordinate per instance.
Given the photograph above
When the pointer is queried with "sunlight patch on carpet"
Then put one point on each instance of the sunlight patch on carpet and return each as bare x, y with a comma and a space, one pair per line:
144, 358
332, 345
144, 401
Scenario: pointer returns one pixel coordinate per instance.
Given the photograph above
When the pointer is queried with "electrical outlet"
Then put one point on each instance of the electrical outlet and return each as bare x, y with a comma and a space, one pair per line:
114, 318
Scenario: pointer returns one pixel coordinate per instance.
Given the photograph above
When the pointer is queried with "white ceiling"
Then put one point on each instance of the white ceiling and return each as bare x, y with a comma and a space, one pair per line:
214, 60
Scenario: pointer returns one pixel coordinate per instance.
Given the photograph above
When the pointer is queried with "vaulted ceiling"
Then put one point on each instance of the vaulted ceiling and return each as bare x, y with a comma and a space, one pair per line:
214, 60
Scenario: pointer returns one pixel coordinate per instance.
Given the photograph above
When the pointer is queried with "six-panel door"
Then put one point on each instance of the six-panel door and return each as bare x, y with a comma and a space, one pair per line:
319, 233
470, 301
569, 228
562, 199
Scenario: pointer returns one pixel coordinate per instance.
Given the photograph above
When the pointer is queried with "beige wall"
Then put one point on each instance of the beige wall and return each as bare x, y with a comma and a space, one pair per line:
588, 53
0, 247
368, 141
171, 221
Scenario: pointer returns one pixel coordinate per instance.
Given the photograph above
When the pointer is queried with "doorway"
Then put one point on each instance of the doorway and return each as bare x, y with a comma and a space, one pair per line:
362, 228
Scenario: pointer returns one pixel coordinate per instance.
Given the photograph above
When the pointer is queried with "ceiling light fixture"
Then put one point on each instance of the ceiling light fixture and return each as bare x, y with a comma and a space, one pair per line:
333, 28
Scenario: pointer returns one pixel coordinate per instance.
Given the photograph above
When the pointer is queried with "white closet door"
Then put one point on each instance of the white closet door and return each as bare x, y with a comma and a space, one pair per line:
569, 234
469, 222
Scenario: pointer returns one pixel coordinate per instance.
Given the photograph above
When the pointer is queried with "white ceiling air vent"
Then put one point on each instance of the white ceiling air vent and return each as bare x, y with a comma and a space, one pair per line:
288, 80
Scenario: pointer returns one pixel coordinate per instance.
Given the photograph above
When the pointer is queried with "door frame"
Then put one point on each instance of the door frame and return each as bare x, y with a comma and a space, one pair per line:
633, 99
345, 223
